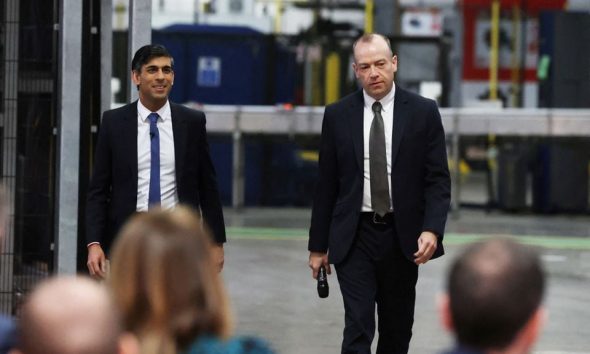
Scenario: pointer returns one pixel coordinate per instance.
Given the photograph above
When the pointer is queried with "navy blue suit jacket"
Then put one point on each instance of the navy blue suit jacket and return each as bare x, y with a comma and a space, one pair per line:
420, 177
112, 193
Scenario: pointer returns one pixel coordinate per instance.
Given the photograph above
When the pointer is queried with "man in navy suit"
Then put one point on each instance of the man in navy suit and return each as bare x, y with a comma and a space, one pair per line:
382, 199
493, 299
150, 153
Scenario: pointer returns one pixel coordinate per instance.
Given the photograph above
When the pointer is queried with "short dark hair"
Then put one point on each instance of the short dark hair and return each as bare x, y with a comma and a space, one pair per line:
494, 288
147, 53
369, 37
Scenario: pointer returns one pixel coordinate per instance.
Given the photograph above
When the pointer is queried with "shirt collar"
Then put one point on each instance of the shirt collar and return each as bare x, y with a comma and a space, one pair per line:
143, 112
386, 102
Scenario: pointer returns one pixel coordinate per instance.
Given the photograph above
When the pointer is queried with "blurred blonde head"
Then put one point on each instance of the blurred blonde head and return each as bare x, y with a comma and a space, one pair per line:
165, 282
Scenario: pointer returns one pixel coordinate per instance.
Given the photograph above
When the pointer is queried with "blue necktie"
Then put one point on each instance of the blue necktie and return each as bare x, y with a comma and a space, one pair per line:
154, 196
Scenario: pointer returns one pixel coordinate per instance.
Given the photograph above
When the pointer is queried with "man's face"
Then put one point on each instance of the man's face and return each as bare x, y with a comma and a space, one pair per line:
375, 67
155, 82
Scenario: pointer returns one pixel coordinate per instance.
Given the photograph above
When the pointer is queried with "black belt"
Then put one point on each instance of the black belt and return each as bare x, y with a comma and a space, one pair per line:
374, 218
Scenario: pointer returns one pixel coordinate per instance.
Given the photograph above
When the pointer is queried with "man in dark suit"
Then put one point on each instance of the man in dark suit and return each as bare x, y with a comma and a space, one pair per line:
150, 153
382, 199
493, 302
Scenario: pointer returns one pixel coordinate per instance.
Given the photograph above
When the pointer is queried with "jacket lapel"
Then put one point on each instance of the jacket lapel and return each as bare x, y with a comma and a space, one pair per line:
401, 114
130, 132
356, 124
179, 131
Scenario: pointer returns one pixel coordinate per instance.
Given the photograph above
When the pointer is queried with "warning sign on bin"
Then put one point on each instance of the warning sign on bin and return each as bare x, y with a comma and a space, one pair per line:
209, 72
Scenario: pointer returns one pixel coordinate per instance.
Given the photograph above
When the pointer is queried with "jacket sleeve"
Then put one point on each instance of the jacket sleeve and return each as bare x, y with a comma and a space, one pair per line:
210, 203
437, 181
326, 188
99, 189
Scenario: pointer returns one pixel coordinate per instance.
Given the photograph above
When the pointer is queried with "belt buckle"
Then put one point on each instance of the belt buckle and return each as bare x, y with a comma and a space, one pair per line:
375, 221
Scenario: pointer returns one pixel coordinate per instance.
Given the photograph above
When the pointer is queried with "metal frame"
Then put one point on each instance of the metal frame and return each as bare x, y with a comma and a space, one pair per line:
106, 52
68, 135
8, 121
140, 32
463, 121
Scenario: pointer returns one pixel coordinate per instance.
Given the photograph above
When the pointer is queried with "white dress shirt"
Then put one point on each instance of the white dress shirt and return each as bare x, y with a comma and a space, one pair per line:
387, 114
169, 195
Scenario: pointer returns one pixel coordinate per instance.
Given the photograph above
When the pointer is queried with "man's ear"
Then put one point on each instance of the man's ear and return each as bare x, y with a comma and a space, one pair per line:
135, 77
354, 69
443, 304
533, 327
394, 63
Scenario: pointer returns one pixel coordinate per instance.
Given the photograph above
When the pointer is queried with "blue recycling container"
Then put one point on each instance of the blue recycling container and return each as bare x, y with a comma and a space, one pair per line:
228, 65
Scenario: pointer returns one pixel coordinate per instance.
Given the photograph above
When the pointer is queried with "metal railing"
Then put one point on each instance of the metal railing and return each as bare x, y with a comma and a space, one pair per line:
458, 122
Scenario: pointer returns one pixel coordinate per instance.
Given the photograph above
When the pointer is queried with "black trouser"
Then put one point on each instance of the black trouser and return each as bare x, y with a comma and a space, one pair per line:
376, 271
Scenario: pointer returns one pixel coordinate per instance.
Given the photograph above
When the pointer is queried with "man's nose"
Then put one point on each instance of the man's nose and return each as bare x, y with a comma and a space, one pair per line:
373, 71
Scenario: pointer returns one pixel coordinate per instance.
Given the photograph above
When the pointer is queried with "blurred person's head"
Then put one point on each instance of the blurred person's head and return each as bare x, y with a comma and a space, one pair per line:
152, 71
374, 64
494, 294
165, 281
72, 315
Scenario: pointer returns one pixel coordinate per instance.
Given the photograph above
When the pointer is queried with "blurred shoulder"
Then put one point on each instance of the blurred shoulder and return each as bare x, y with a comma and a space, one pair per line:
351, 99
185, 112
414, 98
115, 114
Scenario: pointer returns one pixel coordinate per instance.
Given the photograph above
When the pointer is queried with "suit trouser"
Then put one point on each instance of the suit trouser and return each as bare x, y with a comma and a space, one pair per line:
376, 272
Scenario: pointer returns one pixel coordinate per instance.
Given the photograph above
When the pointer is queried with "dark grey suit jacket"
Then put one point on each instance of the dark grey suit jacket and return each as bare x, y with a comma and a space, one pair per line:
420, 179
112, 194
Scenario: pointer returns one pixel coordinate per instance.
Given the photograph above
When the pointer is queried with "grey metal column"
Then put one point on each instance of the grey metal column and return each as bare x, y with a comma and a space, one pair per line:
238, 162
456, 69
385, 17
140, 32
456, 62
308, 76
106, 53
68, 135
8, 120
456, 173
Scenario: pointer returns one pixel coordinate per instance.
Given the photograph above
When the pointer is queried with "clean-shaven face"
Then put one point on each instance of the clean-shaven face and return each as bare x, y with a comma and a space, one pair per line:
155, 81
374, 67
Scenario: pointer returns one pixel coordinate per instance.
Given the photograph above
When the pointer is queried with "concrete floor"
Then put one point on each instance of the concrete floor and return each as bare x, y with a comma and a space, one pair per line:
274, 296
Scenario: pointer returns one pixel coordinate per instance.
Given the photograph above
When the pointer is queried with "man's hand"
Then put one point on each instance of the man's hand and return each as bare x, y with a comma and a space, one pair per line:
426, 247
316, 259
97, 263
218, 255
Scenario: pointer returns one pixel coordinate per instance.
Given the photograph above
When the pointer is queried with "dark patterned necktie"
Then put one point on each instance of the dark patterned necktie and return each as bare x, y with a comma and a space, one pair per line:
378, 163
154, 196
